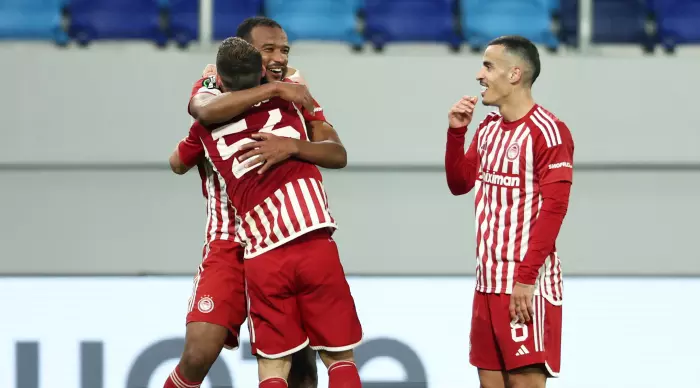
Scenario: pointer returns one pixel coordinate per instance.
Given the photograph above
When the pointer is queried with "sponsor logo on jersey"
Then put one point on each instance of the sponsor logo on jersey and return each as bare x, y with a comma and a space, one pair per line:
560, 165
500, 180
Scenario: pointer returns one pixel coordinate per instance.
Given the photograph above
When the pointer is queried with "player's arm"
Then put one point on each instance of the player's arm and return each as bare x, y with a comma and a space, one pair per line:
461, 168
324, 148
554, 165
214, 108
187, 154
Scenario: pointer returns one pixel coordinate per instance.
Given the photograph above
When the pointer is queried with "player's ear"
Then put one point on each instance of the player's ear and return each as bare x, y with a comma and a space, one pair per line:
515, 75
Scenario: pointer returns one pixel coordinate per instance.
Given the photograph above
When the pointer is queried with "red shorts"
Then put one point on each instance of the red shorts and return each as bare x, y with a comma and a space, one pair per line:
218, 296
496, 344
298, 295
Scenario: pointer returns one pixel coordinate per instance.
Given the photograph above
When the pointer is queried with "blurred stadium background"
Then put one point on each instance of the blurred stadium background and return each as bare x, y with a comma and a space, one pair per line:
100, 240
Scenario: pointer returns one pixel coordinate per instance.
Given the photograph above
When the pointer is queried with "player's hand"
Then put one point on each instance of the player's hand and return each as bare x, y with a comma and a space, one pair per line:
209, 71
296, 93
269, 150
521, 302
461, 113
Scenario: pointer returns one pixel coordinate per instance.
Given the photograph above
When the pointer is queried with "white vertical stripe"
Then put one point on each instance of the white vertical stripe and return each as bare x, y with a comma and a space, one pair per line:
497, 149
211, 193
545, 134
479, 246
529, 193
524, 136
265, 223
325, 196
295, 205
512, 236
223, 198
536, 322
547, 126
543, 311
319, 198
552, 123
251, 327
481, 243
493, 128
556, 275
255, 235
501, 238
285, 213
275, 219
310, 205
489, 243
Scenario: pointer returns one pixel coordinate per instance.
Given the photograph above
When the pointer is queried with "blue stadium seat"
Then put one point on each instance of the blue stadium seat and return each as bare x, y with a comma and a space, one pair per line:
620, 21
483, 20
32, 19
327, 20
228, 14
678, 21
568, 14
411, 21
183, 20
116, 20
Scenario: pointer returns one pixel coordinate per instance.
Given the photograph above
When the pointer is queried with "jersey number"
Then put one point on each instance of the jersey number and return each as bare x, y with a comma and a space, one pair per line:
227, 151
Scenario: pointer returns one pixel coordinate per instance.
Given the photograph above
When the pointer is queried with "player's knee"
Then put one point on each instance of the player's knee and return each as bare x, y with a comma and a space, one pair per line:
303, 373
330, 358
203, 343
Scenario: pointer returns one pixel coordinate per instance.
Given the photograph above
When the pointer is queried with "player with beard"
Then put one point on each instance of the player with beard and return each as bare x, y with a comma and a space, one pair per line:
211, 325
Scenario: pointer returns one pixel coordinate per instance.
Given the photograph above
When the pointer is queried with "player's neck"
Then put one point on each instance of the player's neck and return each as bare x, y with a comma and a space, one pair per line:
517, 106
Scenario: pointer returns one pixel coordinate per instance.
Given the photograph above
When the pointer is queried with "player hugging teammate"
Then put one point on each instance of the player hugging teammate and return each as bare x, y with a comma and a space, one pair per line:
257, 157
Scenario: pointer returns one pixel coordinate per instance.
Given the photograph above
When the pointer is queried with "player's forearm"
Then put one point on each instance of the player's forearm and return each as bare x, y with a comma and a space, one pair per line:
226, 106
555, 204
326, 154
461, 174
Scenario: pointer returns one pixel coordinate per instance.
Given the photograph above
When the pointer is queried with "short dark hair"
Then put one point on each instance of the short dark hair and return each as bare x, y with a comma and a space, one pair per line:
523, 48
245, 29
238, 64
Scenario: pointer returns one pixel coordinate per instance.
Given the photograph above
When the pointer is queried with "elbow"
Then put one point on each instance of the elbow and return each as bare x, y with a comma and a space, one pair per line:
339, 159
458, 187
176, 166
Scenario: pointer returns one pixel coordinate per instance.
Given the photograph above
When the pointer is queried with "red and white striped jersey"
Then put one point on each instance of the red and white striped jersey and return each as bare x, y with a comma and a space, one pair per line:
283, 203
220, 215
515, 159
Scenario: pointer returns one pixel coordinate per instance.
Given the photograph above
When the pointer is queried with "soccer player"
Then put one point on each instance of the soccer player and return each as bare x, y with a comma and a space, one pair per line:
297, 291
520, 163
271, 40
220, 276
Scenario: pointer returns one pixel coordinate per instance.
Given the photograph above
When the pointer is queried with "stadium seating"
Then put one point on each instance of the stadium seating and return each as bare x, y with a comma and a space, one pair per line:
620, 21
411, 21
228, 14
483, 20
116, 20
678, 21
183, 20
328, 20
32, 19
567, 13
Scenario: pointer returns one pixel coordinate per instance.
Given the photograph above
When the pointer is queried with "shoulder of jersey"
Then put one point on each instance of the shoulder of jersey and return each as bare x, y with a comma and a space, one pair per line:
491, 117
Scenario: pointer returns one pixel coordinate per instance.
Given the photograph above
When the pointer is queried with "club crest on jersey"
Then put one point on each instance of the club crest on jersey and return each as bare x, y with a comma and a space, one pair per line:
206, 304
513, 152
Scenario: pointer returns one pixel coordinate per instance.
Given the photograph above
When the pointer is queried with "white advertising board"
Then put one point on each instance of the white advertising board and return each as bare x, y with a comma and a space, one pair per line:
127, 332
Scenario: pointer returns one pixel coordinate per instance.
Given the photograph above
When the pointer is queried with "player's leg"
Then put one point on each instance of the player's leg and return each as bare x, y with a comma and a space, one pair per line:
276, 331
303, 373
328, 308
483, 348
216, 311
531, 352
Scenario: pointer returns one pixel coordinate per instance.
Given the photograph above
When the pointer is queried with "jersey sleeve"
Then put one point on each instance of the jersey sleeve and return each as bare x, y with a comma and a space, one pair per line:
316, 115
190, 148
554, 154
203, 85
